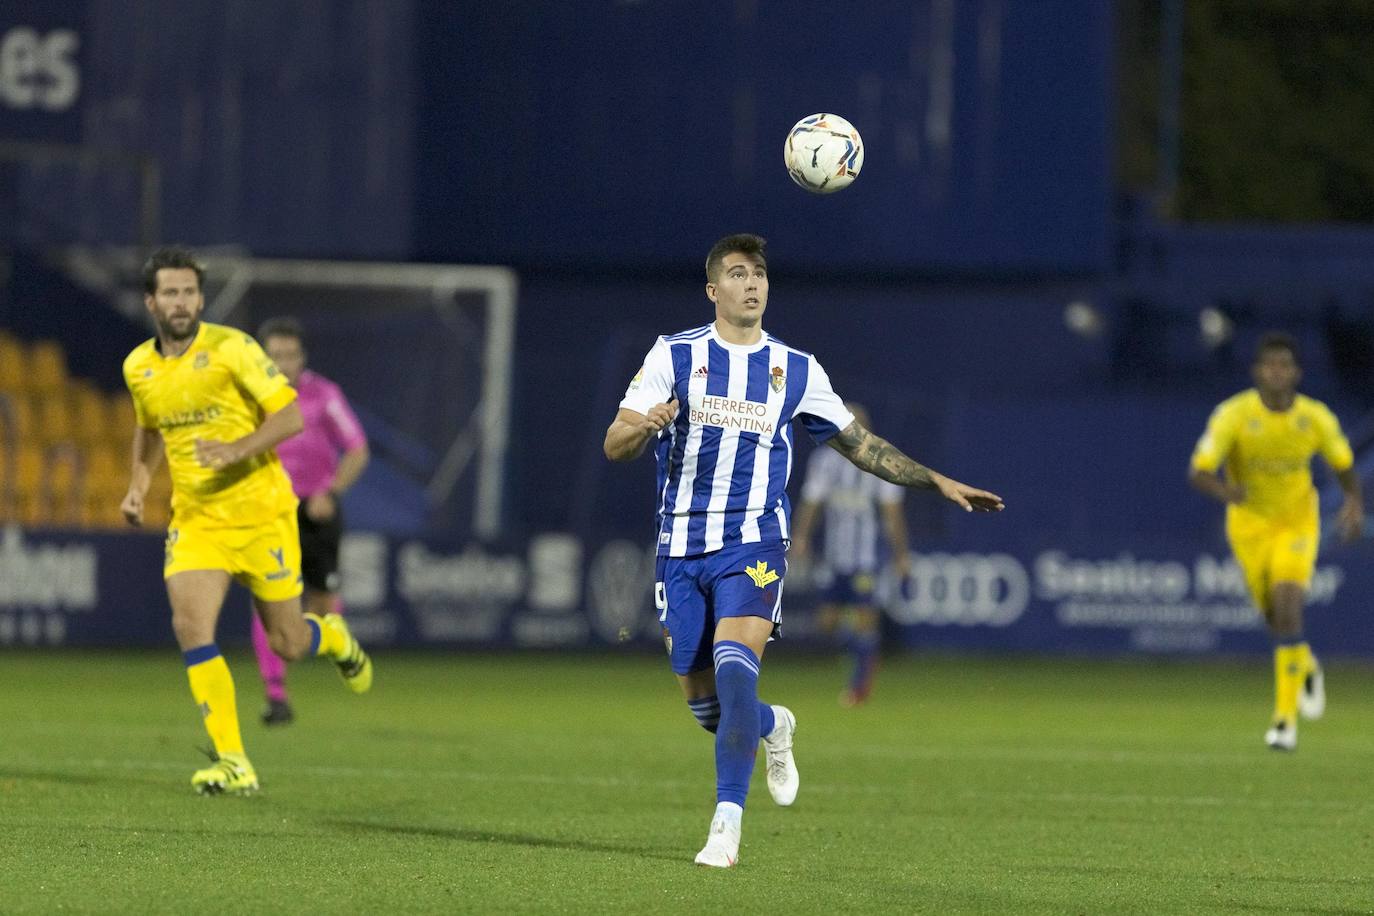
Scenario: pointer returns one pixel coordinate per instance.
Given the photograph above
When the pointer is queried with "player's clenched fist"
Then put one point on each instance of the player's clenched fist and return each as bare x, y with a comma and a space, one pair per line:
631, 431
660, 415
132, 507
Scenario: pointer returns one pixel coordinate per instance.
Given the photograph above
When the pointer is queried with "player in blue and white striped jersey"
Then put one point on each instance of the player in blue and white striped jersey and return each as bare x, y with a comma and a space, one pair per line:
719, 402
859, 511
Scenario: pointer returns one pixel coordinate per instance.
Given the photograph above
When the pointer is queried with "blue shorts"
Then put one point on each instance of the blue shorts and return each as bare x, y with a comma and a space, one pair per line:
851, 589
692, 593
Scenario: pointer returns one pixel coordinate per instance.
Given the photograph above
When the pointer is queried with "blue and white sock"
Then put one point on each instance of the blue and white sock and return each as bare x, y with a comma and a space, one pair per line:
737, 736
707, 713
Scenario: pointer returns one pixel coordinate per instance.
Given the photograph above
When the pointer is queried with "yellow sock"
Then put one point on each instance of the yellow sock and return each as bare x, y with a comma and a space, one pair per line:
332, 642
1289, 670
1308, 660
212, 686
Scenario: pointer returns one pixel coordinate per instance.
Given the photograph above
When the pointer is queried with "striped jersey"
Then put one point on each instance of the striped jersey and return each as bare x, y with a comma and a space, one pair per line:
849, 499
723, 463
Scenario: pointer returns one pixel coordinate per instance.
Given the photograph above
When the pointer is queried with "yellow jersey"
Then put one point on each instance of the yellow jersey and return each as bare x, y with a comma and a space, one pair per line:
220, 388
1269, 453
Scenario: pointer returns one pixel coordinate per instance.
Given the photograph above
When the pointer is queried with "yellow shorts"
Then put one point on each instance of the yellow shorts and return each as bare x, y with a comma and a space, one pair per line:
266, 558
1272, 554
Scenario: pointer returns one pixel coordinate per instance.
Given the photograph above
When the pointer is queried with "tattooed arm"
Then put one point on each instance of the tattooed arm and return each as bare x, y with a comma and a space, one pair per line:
881, 458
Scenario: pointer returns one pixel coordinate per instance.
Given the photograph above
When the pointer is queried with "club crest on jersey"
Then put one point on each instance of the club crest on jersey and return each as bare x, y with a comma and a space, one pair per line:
761, 574
777, 378
201, 361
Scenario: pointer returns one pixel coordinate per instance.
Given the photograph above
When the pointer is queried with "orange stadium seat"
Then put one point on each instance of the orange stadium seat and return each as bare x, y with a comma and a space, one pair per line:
31, 510
12, 363
54, 421
104, 484
106, 472
103, 514
47, 369
120, 420
16, 418
63, 471
88, 410
27, 477
6, 471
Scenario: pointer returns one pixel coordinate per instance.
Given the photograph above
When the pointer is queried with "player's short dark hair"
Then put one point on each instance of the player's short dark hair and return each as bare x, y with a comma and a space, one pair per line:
176, 257
1277, 340
739, 243
282, 326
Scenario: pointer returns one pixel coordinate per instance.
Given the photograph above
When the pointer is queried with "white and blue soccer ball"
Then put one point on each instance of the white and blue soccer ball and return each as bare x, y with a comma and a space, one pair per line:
823, 153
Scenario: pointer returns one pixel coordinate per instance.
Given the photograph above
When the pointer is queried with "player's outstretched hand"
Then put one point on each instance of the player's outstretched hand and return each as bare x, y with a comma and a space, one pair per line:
132, 507
213, 454
660, 415
968, 498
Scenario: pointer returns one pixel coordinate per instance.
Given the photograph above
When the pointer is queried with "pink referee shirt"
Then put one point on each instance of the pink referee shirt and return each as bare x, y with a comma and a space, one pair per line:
331, 428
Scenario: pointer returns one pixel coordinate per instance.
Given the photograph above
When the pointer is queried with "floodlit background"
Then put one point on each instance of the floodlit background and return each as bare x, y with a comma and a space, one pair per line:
1074, 221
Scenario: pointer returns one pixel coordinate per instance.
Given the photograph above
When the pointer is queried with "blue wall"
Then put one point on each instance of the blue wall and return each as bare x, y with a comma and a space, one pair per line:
636, 134
285, 127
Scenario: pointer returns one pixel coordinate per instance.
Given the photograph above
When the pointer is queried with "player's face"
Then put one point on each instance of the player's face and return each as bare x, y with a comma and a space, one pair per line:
1277, 372
288, 354
177, 304
741, 291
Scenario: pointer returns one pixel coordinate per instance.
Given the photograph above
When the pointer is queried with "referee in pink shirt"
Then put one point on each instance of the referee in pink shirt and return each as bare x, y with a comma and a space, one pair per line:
323, 460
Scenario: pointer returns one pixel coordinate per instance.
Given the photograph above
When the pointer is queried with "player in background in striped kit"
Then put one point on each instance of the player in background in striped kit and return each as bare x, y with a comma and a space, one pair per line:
859, 511
718, 402
323, 461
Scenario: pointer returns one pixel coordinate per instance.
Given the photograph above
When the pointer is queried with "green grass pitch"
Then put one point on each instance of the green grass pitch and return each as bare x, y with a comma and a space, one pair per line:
580, 784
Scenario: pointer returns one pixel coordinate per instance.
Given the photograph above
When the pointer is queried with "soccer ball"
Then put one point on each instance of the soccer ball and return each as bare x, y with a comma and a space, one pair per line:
823, 153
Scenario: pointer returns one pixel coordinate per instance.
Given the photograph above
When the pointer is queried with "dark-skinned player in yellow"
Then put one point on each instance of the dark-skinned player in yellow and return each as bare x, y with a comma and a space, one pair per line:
1265, 439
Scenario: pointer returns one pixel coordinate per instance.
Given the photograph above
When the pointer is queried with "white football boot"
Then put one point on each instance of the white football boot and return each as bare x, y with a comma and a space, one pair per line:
1312, 696
722, 844
1282, 736
783, 780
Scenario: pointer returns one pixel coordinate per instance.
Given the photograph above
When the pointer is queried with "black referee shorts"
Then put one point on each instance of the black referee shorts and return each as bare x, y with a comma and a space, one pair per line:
320, 550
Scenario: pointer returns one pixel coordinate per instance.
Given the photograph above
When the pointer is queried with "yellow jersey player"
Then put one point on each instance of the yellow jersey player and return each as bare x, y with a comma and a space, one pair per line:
1265, 439
209, 398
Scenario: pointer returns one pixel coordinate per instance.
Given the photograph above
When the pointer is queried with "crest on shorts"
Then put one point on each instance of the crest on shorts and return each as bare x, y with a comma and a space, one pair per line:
761, 574
777, 378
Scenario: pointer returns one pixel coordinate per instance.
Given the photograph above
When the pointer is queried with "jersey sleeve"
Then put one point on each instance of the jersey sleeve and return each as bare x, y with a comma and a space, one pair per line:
256, 374
1334, 446
341, 423
141, 415
653, 383
819, 479
820, 409
1216, 442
